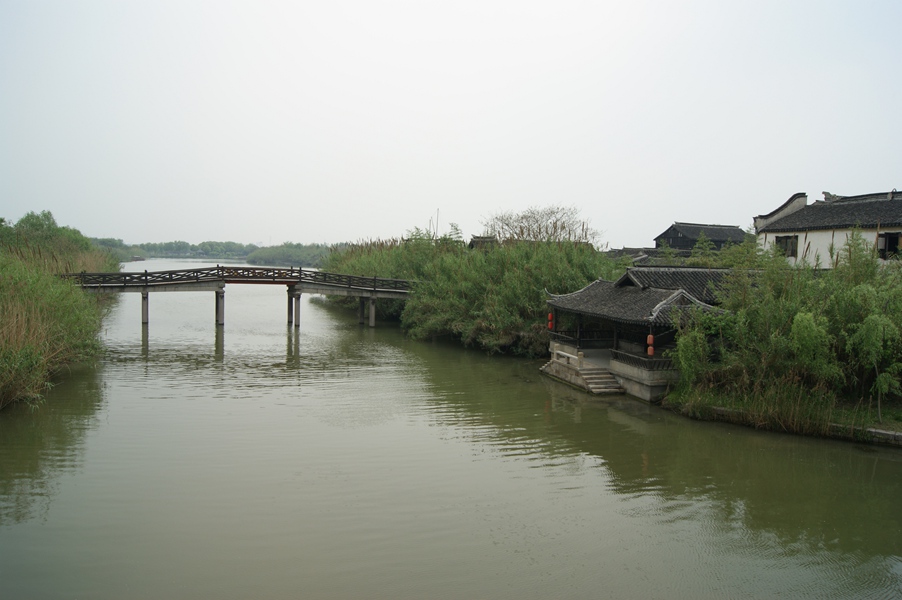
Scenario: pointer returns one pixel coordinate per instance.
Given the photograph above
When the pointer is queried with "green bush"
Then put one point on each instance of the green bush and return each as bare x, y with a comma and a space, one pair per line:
46, 322
492, 298
795, 341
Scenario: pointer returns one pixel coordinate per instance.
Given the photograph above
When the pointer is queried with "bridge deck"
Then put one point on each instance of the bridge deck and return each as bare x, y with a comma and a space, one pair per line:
303, 280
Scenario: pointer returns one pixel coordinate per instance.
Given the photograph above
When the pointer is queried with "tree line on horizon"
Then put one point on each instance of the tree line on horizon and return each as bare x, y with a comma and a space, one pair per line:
285, 254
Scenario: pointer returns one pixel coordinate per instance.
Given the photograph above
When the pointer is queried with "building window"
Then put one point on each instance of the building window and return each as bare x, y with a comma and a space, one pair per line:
888, 245
788, 245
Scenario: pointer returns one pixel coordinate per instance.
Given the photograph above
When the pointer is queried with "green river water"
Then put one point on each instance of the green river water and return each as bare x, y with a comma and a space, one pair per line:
339, 461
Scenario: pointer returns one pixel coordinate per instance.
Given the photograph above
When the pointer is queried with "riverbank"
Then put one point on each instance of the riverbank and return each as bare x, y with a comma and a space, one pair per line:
794, 348
836, 420
47, 322
848, 423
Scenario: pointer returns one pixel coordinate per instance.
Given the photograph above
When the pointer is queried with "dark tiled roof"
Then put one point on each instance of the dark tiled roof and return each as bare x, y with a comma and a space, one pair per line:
699, 282
715, 233
868, 210
638, 254
627, 304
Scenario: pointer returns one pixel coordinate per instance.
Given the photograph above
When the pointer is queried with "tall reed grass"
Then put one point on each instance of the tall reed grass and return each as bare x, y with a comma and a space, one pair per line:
492, 298
46, 322
797, 348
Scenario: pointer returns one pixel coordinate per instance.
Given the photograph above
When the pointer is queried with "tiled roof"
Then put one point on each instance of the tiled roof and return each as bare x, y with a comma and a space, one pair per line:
867, 210
627, 303
699, 282
715, 233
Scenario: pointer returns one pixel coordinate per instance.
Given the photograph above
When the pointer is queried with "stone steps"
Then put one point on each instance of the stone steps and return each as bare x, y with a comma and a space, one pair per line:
595, 380
600, 381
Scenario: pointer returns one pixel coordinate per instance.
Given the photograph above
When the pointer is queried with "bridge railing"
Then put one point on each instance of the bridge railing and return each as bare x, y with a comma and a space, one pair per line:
355, 281
147, 278
237, 274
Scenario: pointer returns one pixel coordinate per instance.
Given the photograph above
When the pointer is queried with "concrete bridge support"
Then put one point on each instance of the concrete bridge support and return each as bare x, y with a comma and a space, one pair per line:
294, 306
145, 310
220, 307
362, 314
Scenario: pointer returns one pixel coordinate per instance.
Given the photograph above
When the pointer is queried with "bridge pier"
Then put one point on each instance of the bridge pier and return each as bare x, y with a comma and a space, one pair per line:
220, 307
361, 315
145, 310
294, 306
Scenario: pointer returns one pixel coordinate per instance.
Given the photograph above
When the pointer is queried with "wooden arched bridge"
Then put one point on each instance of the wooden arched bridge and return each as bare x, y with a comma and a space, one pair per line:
298, 281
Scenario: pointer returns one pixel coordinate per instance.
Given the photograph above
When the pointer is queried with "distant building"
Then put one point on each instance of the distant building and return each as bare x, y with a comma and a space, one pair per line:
482, 242
684, 236
814, 232
649, 256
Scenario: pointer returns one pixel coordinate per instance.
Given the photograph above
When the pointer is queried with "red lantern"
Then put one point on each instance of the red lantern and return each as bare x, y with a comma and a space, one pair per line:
650, 340
651, 350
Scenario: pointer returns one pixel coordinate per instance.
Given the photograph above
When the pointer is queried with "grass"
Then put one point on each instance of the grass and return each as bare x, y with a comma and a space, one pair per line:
46, 322
790, 408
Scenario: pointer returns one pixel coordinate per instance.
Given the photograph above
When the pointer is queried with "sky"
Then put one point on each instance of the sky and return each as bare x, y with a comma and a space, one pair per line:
321, 122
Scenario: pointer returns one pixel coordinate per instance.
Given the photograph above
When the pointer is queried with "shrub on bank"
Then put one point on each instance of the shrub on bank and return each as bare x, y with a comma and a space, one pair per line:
799, 348
492, 298
45, 322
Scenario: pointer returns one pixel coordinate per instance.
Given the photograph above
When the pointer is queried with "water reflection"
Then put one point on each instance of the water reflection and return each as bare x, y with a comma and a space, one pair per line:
819, 497
38, 445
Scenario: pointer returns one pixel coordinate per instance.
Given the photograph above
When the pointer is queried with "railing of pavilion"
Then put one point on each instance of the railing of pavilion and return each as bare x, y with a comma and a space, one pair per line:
585, 339
642, 362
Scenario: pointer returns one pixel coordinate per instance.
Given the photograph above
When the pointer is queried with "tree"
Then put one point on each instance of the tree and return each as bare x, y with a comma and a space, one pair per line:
704, 254
553, 223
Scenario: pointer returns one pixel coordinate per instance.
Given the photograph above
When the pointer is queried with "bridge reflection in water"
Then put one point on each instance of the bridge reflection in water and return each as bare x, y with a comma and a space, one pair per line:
298, 281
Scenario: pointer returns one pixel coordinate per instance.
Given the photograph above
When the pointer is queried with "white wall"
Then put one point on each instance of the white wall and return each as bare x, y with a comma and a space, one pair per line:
814, 246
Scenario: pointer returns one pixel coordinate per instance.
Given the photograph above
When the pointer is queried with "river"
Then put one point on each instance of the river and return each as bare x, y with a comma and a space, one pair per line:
340, 461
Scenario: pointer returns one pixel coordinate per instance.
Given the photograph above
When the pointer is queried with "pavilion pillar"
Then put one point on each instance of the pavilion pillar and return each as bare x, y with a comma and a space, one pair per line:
220, 307
579, 331
372, 312
145, 311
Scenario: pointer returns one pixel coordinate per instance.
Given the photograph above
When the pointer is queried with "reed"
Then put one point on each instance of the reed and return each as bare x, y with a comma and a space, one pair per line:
46, 322
790, 408
799, 349
492, 298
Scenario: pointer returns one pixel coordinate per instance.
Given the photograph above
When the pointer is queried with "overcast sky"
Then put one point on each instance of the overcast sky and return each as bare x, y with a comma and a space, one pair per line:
264, 122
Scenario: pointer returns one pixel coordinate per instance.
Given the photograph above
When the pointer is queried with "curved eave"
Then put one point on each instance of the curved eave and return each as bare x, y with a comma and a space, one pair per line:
782, 206
659, 314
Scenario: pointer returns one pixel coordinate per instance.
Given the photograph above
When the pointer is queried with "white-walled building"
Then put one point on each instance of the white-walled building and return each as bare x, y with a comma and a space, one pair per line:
815, 232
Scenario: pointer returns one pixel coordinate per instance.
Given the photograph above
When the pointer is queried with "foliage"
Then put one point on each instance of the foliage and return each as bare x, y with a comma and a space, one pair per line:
45, 321
210, 249
796, 340
704, 253
541, 224
122, 251
492, 298
288, 254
